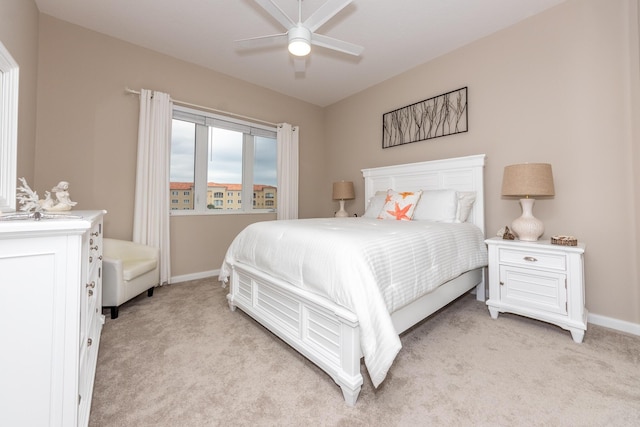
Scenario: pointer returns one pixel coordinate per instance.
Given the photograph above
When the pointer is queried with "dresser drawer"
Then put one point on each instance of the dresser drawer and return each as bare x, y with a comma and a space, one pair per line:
533, 259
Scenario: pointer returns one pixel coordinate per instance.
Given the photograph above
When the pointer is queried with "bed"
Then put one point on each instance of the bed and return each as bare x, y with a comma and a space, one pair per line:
324, 308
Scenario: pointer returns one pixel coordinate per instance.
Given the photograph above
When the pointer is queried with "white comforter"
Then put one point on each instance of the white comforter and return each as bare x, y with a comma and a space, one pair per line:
372, 267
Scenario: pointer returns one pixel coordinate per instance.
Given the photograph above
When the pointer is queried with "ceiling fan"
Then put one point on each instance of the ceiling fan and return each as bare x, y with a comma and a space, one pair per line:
301, 35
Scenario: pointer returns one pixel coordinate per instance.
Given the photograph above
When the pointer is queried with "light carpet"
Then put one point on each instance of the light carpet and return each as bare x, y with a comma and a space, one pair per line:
182, 358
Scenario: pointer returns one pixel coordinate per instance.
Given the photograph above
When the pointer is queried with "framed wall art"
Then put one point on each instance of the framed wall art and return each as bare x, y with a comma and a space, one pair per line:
442, 115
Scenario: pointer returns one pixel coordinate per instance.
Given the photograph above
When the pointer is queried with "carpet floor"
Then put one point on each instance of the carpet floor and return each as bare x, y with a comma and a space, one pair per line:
182, 358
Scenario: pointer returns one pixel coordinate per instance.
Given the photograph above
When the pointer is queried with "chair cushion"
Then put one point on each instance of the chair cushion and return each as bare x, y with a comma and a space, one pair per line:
133, 268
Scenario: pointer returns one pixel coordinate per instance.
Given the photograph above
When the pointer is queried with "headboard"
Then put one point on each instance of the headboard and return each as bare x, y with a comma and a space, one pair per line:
460, 173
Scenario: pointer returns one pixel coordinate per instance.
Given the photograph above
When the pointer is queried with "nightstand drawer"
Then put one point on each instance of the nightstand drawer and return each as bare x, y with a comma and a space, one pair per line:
533, 259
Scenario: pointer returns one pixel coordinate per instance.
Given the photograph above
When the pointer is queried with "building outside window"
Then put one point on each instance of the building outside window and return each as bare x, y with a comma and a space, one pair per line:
218, 161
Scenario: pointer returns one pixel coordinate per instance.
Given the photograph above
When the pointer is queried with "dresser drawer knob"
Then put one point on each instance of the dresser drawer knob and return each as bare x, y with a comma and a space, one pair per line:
530, 259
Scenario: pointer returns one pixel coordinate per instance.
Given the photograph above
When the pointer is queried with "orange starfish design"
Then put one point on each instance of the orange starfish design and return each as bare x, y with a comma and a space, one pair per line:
404, 194
400, 214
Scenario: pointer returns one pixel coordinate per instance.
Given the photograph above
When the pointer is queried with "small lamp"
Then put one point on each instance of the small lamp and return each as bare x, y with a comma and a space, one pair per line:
528, 180
343, 190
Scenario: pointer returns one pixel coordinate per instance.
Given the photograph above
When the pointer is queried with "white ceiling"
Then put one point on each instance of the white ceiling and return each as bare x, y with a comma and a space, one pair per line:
397, 35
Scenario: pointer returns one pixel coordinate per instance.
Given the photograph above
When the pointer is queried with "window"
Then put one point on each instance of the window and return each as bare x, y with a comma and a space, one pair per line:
218, 161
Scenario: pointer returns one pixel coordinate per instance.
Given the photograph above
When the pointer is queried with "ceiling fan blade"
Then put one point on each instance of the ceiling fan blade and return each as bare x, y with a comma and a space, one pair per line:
275, 11
335, 44
262, 41
324, 13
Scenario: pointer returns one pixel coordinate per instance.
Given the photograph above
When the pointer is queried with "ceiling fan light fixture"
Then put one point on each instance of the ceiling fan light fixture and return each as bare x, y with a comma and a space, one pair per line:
299, 41
299, 47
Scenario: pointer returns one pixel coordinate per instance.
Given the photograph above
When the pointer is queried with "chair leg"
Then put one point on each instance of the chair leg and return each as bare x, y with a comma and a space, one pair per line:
149, 292
114, 312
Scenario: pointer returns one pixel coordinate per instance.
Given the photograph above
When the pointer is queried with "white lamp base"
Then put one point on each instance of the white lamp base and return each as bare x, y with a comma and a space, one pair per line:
342, 213
527, 227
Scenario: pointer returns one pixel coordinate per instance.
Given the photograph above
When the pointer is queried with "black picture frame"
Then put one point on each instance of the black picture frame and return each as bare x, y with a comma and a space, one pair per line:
442, 115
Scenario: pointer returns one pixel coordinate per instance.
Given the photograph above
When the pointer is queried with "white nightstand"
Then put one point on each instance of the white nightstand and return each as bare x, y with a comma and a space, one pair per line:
538, 280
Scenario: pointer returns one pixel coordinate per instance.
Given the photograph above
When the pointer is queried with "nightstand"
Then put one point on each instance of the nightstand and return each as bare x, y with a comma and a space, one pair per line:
538, 280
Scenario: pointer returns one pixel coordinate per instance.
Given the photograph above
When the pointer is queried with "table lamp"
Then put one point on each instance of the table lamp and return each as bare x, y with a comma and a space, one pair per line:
343, 190
527, 181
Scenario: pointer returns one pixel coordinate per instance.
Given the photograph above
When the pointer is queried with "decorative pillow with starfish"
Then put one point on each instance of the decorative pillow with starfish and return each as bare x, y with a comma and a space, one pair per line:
400, 205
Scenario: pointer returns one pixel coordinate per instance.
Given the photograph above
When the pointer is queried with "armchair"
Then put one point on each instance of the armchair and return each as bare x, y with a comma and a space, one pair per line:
128, 270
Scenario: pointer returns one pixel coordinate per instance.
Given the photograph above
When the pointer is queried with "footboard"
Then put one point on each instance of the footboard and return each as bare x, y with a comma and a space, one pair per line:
326, 333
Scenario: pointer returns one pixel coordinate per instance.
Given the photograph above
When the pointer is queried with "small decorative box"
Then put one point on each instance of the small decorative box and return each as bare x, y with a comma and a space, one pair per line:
564, 240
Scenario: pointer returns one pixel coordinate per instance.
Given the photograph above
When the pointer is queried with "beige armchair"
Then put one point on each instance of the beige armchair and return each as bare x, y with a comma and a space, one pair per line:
128, 270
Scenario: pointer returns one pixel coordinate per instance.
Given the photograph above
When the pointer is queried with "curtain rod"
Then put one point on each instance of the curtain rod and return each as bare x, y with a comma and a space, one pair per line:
188, 104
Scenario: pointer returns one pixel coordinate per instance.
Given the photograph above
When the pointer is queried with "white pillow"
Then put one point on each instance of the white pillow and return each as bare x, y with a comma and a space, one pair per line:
465, 203
399, 206
437, 205
375, 205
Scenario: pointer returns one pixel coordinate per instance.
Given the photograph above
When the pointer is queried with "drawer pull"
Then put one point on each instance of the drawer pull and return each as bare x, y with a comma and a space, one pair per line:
530, 259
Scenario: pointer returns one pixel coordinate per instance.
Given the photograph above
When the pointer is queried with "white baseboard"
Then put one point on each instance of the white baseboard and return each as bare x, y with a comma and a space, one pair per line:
611, 323
596, 319
194, 276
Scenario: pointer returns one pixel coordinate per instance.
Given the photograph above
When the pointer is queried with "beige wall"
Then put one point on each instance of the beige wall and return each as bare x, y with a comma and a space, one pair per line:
87, 131
634, 90
19, 34
555, 88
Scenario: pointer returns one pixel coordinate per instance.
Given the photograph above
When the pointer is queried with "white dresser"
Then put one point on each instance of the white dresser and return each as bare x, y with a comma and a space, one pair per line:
539, 280
50, 318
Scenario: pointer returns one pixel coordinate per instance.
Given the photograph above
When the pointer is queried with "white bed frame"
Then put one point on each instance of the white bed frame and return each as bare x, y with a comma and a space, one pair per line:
328, 334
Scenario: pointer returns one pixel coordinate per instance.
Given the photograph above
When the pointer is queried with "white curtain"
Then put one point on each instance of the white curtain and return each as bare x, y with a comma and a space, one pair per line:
151, 213
287, 171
